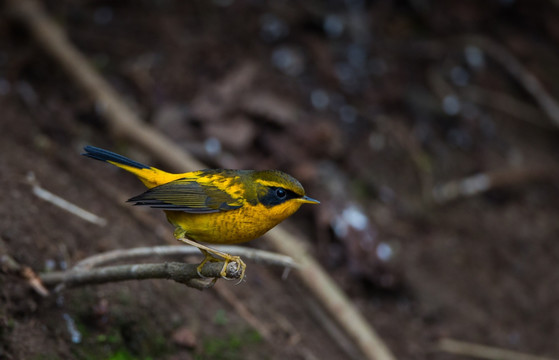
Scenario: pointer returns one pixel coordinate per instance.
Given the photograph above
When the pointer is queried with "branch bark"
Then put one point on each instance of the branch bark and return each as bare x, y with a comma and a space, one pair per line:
259, 256
179, 272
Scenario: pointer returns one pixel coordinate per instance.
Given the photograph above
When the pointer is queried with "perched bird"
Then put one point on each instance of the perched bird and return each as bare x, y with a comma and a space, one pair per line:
216, 206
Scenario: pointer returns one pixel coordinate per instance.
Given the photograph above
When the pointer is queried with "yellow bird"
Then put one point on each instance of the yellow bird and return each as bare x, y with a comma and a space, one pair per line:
217, 206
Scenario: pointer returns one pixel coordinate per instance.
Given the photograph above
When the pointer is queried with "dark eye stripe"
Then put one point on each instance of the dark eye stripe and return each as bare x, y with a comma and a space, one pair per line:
272, 197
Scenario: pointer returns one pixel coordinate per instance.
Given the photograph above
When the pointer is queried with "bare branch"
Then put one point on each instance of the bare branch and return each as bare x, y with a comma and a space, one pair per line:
259, 256
179, 272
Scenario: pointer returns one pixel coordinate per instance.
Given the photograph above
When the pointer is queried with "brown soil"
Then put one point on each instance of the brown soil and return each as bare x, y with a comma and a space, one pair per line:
250, 75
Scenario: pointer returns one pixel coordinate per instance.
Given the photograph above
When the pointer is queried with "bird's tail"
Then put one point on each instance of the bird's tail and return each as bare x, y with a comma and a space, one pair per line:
150, 176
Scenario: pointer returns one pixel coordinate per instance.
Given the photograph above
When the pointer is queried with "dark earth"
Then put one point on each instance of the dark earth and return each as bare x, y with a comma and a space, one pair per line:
370, 104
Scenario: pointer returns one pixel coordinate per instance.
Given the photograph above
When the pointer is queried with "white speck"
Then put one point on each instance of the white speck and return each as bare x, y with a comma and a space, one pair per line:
212, 146
384, 251
340, 227
451, 105
75, 335
289, 60
475, 184
50, 265
272, 28
350, 217
355, 218
320, 99
333, 26
474, 56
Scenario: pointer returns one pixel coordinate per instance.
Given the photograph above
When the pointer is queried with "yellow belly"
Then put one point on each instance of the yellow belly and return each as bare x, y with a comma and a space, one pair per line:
230, 227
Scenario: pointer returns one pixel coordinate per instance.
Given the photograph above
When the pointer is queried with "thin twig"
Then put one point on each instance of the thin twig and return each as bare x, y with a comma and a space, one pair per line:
34, 281
9, 265
483, 182
483, 351
507, 104
259, 256
179, 272
63, 203
123, 122
499, 101
525, 78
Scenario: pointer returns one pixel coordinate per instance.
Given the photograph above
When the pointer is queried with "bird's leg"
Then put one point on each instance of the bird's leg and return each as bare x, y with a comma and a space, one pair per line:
208, 257
213, 255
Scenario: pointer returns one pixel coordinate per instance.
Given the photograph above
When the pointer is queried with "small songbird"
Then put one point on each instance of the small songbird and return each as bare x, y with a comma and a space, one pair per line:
217, 206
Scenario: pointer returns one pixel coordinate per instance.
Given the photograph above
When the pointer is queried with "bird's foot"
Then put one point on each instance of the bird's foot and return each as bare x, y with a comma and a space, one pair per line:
227, 259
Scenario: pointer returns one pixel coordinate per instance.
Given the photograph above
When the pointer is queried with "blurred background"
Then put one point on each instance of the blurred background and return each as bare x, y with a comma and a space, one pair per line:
426, 128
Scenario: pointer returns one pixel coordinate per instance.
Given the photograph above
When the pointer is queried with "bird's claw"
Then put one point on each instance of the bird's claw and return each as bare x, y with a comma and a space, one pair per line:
241, 266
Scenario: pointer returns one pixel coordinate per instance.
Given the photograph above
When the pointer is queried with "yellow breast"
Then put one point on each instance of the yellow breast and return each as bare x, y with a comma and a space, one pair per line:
232, 227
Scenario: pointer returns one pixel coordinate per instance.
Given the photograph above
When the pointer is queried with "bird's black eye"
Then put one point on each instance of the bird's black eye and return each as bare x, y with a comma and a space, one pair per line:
280, 193
275, 196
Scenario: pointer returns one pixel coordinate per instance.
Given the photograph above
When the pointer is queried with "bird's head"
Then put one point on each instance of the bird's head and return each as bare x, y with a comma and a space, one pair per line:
279, 193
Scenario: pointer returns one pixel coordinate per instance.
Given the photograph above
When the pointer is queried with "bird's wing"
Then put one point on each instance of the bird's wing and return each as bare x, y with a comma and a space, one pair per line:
189, 196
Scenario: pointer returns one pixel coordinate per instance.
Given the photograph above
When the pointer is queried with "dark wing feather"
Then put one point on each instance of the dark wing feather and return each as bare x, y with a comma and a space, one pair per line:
189, 196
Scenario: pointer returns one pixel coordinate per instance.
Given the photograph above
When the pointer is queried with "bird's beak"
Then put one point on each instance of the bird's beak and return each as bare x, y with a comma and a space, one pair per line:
308, 200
